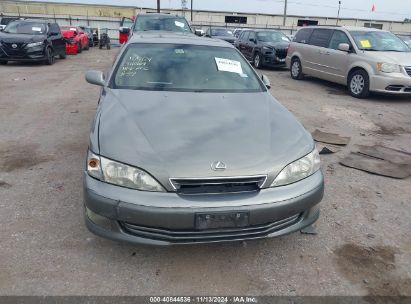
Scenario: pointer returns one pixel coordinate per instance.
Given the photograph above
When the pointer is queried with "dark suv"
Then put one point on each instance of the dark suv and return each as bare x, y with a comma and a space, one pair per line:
155, 22
31, 40
263, 47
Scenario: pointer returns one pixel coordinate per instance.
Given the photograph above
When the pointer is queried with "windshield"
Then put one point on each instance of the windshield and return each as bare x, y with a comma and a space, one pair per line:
378, 41
221, 32
161, 23
28, 28
187, 68
272, 37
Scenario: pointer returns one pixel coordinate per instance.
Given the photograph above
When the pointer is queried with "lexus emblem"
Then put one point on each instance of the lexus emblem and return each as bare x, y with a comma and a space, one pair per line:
14, 46
218, 166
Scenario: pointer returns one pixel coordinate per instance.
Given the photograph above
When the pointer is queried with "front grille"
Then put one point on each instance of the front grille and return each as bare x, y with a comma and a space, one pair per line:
408, 70
281, 53
218, 185
15, 52
210, 235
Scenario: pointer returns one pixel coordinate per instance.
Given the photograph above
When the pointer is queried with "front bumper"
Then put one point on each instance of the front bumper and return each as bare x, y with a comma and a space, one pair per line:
168, 218
71, 49
272, 60
23, 55
394, 83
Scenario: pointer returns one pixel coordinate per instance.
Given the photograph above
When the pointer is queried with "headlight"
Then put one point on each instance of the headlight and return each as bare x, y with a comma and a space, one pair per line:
388, 67
34, 44
116, 173
298, 169
267, 48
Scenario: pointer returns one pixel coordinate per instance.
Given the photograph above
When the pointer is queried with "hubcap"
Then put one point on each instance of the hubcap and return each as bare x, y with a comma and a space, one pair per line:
257, 60
357, 84
295, 69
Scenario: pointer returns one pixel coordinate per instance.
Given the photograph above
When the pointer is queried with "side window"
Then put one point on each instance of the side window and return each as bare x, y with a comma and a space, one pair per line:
54, 28
321, 37
337, 38
252, 36
245, 36
303, 35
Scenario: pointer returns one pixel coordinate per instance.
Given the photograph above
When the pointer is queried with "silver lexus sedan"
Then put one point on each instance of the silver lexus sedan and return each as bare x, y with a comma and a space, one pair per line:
188, 146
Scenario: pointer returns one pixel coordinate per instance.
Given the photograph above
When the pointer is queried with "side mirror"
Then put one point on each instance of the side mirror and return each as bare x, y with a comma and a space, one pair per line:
266, 81
125, 30
95, 77
345, 47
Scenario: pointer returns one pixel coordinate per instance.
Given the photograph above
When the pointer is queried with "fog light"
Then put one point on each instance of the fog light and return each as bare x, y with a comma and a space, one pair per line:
98, 219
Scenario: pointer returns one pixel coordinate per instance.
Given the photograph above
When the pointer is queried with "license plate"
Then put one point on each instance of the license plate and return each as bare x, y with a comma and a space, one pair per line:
222, 220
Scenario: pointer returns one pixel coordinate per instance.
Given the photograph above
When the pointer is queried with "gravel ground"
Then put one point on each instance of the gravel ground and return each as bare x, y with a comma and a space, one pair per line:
363, 245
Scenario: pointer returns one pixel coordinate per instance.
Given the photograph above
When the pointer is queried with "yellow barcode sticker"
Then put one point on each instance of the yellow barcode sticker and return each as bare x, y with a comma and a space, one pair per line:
365, 43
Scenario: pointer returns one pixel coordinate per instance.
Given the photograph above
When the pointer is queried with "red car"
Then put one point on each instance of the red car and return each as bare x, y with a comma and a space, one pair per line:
77, 39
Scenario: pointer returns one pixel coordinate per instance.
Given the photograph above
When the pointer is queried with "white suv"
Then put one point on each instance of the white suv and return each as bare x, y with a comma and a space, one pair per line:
364, 59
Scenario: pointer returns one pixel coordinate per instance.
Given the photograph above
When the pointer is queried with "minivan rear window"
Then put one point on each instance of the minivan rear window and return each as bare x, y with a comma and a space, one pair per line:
303, 35
321, 37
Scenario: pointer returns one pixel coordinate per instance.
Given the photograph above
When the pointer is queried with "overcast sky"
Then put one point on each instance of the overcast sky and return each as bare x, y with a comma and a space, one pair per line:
385, 9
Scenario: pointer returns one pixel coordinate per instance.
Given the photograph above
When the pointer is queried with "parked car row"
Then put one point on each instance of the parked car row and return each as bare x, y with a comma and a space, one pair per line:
364, 59
30, 40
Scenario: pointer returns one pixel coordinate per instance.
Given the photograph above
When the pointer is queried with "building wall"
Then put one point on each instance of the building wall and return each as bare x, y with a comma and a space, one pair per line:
112, 14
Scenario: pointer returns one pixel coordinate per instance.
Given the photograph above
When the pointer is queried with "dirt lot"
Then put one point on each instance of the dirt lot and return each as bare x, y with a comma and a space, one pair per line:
363, 244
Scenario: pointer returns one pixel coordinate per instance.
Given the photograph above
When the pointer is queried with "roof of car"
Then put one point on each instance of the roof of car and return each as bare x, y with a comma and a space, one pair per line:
176, 38
346, 27
33, 20
159, 15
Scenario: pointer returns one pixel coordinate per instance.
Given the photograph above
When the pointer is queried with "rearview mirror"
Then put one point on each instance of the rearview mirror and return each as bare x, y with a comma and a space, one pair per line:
95, 77
266, 81
345, 47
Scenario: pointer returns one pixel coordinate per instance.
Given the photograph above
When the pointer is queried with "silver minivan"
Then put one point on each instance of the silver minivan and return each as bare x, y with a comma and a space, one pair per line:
366, 60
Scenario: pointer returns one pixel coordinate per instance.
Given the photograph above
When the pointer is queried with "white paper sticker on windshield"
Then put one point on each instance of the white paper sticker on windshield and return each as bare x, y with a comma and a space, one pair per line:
227, 65
36, 29
285, 39
179, 24
73, 29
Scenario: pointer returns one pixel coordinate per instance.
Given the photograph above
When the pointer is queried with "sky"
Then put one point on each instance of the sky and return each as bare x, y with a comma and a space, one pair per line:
384, 9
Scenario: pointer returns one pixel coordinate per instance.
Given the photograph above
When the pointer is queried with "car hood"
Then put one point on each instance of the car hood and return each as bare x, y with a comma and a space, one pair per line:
401, 58
277, 45
20, 38
174, 134
226, 38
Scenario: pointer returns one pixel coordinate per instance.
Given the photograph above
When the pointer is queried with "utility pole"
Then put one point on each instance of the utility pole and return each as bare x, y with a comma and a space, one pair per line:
285, 12
191, 10
338, 14
158, 6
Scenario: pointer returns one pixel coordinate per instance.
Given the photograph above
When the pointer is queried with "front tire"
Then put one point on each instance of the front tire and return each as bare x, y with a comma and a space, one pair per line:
50, 59
63, 55
296, 69
359, 84
257, 60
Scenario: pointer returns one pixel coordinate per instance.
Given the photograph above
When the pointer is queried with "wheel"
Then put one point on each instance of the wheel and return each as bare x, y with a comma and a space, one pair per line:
359, 84
79, 49
3, 62
296, 69
63, 55
257, 60
50, 56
